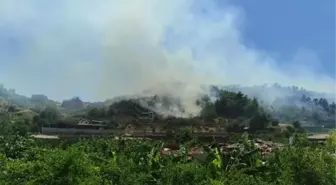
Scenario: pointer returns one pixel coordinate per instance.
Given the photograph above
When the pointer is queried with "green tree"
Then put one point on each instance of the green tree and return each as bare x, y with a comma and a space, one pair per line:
49, 114
209, 112
259, 121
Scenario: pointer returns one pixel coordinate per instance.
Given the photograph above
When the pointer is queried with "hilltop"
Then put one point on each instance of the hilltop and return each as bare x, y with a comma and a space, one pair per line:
228, 107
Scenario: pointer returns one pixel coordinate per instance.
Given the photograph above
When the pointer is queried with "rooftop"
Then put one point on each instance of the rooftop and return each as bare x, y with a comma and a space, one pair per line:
318, 137
90, 124
41, 136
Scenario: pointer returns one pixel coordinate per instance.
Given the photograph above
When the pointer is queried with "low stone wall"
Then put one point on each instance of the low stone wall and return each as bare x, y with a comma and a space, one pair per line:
136, 133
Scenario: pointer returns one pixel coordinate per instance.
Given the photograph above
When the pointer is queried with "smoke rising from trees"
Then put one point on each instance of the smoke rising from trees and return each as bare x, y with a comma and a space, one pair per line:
102, 49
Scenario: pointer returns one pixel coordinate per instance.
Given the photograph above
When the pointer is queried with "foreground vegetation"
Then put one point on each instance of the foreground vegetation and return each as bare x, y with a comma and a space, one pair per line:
110, 161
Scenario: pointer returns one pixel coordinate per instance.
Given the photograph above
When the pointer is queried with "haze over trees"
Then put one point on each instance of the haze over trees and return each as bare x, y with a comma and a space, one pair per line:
298, 105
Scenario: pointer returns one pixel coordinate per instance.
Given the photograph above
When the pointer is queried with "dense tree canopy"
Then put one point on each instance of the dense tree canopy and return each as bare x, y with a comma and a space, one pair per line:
74, 103
233, 105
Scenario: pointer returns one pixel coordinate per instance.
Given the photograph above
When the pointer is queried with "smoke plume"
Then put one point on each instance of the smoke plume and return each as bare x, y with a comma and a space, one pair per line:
101, 49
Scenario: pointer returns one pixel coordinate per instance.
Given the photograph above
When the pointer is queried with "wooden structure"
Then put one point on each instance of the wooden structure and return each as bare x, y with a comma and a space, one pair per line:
83, 127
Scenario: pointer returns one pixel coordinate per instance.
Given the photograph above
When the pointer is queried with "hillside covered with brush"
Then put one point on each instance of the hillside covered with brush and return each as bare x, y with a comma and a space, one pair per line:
223, 109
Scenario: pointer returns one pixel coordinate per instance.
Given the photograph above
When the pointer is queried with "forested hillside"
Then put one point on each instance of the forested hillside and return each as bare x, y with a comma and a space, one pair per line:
38, 101
293, 103
227, 108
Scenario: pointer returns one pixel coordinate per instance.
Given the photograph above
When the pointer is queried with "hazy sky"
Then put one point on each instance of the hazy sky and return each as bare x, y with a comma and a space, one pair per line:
99, 49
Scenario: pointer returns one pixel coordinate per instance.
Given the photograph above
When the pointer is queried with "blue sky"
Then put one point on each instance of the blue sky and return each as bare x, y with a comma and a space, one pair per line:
285, 26
64, 49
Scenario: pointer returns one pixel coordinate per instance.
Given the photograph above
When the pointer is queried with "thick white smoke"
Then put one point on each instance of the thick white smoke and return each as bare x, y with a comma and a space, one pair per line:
101, 49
